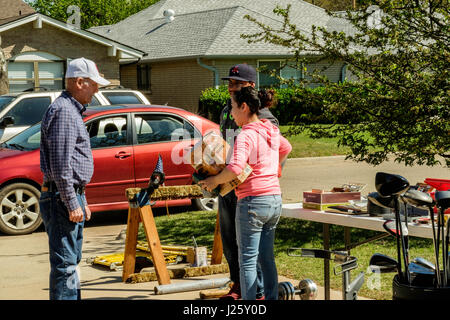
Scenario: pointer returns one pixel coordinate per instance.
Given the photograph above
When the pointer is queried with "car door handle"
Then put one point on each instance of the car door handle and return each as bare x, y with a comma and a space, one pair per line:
123, 155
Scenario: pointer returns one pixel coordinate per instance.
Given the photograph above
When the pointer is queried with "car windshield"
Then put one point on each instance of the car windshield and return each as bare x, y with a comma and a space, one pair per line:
5, 100
122, 98
27, 140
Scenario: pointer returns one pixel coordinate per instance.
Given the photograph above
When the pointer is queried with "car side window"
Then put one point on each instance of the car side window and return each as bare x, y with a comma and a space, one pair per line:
122, 98
108, 132
29, 111
94, 102
161, 128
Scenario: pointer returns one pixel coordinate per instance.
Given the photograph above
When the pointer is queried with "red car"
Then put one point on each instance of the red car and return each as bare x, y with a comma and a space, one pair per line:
125, 141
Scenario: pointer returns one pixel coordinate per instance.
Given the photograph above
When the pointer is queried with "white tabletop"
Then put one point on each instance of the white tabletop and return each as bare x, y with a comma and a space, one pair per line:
295, 210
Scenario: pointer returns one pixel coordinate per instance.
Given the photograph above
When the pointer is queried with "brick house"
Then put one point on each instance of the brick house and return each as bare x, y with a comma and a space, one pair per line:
191, 44
37, 48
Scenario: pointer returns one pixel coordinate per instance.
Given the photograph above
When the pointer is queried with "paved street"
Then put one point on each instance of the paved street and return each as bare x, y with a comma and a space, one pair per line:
24, 259
325, 173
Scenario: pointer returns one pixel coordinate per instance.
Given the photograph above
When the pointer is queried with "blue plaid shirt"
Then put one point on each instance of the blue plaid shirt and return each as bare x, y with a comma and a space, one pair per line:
66, 156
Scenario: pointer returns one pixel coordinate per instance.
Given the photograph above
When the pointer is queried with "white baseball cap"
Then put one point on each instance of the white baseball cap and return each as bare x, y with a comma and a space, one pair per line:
85, 68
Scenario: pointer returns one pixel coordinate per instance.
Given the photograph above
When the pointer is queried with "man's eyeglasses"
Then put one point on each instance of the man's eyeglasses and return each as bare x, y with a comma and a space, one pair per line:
235, 83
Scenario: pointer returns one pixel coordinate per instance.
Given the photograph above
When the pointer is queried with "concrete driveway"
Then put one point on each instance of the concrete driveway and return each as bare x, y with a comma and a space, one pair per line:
24, 259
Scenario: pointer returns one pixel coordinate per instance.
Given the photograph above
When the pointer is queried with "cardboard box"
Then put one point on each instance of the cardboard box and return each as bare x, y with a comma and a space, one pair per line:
329, 197
197, 257
208, 158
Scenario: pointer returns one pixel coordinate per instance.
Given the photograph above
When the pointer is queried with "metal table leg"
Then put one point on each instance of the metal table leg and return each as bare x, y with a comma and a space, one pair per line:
346, 275
326, 262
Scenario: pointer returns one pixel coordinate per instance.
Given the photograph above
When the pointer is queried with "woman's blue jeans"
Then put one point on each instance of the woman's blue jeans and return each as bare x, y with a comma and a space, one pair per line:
227, 219
256, 220
65, 239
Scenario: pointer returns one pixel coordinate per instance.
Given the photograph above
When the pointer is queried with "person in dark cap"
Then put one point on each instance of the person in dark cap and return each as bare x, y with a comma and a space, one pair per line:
240, 76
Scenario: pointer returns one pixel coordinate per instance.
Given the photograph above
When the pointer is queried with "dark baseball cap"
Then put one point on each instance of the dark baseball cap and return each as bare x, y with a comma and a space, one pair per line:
242, 72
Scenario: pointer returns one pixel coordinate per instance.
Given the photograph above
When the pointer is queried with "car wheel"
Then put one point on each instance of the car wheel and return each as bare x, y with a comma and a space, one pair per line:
206, 204
19, 209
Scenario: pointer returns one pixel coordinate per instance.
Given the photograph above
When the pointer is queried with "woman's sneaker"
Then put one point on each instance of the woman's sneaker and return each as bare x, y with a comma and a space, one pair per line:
233, 294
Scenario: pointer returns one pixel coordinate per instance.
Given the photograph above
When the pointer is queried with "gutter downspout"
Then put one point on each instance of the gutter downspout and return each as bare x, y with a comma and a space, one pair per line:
343, 72
213, 69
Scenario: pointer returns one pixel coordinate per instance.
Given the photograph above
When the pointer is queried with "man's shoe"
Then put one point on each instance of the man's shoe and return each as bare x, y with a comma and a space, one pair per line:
262, 297
233, 294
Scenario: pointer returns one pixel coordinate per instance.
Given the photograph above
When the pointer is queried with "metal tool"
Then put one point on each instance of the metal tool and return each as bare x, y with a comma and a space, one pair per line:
443, 202
383, 264
392, 185
307, 290
195, 242
346, 263
191, 286
424, 263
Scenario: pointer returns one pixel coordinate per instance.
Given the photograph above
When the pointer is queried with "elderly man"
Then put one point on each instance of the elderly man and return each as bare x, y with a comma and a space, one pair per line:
67, 165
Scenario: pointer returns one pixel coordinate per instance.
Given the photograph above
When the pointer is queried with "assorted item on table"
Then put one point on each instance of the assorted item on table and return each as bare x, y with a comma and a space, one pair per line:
344, 199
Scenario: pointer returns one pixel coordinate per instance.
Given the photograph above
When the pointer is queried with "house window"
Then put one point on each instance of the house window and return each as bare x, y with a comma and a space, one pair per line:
266, 80
33, 70
287, 72
143, 77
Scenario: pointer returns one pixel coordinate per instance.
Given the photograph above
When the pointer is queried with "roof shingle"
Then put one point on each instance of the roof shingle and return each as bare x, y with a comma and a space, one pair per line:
210, 28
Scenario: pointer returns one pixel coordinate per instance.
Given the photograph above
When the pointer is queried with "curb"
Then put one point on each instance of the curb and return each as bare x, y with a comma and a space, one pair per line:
316, 158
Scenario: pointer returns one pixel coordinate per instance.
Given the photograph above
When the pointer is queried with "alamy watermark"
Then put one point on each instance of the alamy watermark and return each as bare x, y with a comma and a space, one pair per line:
73, 281
374, 20
373, 281
74, 20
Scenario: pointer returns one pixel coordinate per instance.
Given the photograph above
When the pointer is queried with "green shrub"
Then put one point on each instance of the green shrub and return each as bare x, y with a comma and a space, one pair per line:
212, 101
293, 104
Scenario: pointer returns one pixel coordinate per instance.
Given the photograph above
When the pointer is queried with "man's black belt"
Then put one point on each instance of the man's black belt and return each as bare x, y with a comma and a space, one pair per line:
50, 186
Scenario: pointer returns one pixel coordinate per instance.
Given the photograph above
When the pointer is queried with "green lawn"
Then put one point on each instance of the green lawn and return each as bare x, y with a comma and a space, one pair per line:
303, 146
179, 229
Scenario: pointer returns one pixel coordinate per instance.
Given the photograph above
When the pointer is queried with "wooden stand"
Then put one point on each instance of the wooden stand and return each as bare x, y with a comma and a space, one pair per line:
140, 210
217, 250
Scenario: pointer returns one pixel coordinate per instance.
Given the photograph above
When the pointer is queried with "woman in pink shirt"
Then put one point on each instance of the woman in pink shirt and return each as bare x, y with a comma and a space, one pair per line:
261, 145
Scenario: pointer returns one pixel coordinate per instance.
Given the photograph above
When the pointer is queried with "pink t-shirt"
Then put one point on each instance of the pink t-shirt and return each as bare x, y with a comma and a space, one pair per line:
261, 145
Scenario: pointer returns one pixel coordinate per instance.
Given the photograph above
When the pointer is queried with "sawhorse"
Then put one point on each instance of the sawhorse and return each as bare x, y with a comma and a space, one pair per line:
140, 211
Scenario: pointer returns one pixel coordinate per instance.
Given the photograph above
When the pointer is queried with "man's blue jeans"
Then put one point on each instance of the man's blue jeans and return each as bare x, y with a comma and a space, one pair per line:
256, 220
227, 221
65, 239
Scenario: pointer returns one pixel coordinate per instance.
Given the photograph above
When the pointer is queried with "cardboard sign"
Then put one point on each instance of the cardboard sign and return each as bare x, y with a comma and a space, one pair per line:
208, 158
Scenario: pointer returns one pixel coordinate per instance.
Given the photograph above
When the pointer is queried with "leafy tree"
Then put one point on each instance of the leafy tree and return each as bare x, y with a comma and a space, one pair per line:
92, 12
3, 72
334, 5
398, 50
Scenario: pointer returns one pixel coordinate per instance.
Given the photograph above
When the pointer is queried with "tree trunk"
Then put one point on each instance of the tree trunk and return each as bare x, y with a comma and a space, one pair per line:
3, 71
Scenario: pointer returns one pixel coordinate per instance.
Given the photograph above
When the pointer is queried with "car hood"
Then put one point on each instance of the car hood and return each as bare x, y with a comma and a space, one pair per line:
7, 153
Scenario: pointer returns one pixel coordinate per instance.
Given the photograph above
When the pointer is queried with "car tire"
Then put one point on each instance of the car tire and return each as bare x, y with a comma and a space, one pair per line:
206, 204
19, 209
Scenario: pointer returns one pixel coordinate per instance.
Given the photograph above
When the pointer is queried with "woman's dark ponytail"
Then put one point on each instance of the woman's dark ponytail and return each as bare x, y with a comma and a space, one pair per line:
267, 98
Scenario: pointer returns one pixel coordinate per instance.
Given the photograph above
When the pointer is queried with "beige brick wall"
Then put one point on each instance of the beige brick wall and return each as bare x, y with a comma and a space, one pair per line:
128, 76
60, 43
179, 83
